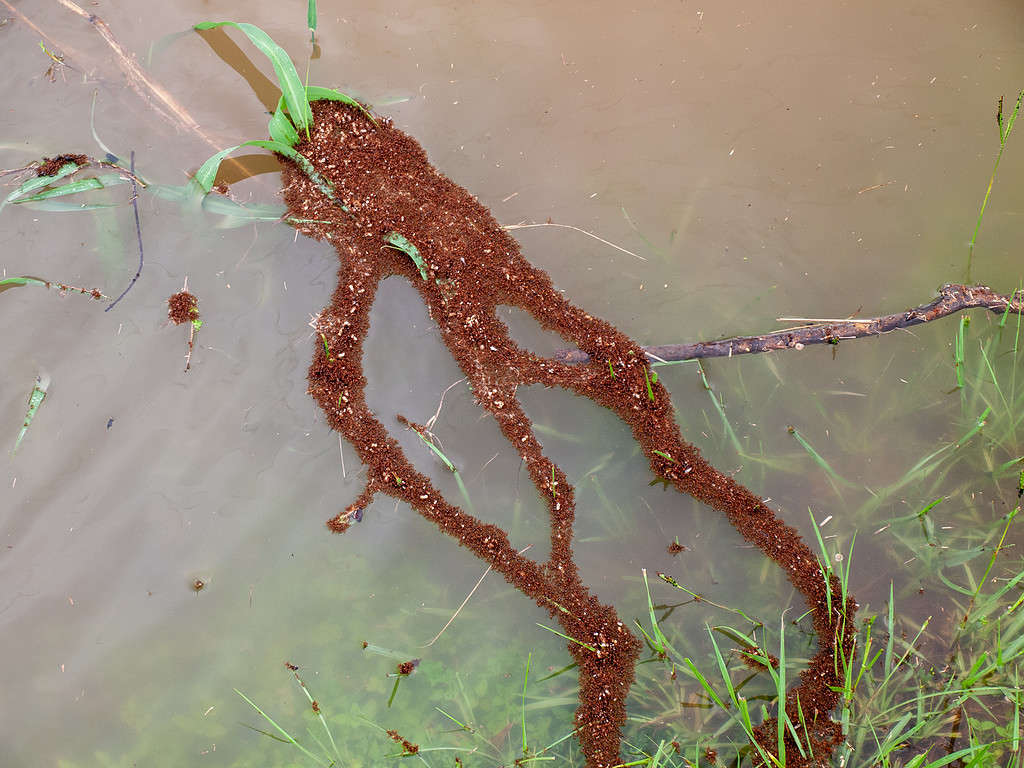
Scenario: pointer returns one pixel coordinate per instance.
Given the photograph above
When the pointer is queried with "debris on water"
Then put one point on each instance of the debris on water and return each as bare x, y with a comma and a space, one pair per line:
51, 165
182, 307
407, 667
110, 422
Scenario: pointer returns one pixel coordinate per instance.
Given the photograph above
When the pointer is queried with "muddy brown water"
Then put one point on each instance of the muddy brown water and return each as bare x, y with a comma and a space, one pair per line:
804, 160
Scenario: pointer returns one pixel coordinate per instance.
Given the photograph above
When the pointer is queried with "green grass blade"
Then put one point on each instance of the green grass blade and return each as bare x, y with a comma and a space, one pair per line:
818, 459
34, 401
400, 243
39, 182
526, 678
16, 282
95, 136
319, 93
311, 17
720, 408
287, 77
207, 172
566, 637
281, 128
287, 736
66, 206
82, 185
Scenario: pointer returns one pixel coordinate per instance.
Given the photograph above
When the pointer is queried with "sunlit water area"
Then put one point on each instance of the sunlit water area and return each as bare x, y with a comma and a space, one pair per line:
164, 546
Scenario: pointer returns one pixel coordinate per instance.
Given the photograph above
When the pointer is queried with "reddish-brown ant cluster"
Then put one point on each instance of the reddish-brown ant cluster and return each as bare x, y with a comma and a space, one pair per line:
466, 266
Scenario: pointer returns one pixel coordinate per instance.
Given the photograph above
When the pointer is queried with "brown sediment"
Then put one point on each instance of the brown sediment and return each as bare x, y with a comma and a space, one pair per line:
51, 165
182, 307
383, 184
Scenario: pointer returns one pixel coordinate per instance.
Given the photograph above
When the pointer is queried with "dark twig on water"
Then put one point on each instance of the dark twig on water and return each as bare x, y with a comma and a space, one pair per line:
952, 298
138, 231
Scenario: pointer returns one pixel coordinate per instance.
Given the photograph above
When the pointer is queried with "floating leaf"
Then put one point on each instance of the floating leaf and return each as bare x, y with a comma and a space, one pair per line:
34, 401
71, 188
400, 243
66, 206
39, 182
17, 282
291, 86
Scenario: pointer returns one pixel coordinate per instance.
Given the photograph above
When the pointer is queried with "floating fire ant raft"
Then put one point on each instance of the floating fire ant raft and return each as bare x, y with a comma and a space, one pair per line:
387, 211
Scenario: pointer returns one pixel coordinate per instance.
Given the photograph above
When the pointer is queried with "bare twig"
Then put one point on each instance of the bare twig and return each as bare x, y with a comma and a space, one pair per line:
138, 232
952, 298
474, 589
510, 227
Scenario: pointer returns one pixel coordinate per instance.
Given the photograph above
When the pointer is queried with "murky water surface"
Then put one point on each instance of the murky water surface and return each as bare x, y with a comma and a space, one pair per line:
802, 159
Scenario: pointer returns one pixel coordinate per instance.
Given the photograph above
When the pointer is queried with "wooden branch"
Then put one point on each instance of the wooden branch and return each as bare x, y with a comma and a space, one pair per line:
952, 298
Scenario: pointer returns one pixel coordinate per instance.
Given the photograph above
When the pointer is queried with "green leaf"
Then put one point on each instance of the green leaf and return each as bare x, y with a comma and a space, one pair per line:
65, 206
39, 182
207, 173
281, 128
399, 242
319, 93
311, 15
16, 282
71, 188
291, 86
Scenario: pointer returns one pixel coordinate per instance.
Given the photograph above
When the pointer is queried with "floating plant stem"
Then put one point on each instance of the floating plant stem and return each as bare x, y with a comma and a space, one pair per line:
35, 399
17, 282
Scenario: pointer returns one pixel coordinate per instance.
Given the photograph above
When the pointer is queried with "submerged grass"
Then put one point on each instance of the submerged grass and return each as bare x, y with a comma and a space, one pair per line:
918, 690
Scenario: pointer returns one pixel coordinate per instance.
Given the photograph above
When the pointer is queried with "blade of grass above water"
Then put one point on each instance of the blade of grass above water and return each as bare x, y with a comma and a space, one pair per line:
311, 18
319, 93
294, 93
